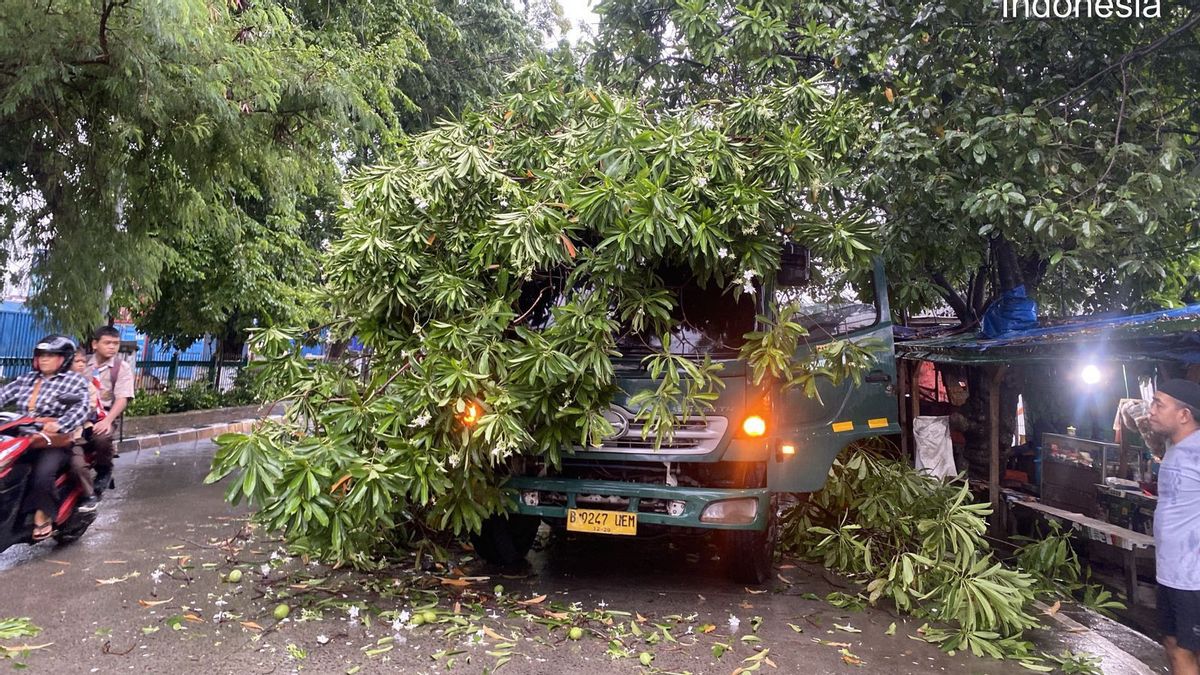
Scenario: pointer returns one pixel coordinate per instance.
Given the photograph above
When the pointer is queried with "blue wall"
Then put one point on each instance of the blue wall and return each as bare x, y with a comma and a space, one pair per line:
19, 333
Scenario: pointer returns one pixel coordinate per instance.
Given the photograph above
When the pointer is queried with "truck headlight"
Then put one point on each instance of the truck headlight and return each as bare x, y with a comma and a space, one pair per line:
741, 511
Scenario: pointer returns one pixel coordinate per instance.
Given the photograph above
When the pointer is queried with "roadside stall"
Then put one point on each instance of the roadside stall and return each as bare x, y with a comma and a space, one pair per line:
1081, 452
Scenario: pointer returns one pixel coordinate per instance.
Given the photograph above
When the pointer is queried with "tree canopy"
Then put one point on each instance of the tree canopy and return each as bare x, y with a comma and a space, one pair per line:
1059, 154
187, 153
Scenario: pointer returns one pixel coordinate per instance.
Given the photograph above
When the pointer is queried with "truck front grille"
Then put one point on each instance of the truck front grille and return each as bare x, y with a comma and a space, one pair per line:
693, 435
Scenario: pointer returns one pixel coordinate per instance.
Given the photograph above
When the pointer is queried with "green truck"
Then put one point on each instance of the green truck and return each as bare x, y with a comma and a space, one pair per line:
725, 471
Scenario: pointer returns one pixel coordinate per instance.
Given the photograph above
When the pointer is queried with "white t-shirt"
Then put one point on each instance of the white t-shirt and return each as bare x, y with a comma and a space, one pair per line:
1177, 516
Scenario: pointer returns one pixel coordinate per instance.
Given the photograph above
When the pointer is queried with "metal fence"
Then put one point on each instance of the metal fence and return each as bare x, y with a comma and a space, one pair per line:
156, 376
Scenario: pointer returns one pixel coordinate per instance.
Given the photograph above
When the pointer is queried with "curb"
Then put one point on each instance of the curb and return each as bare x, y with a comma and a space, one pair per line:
190, 435
1114, 659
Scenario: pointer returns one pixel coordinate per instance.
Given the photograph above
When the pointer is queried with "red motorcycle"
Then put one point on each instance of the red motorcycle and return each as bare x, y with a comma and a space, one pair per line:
19, 442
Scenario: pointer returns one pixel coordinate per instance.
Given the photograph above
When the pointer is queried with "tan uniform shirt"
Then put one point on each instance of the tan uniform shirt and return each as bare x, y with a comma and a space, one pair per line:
103, 372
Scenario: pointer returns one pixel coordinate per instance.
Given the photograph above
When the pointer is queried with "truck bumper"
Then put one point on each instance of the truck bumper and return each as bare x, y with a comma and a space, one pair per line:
650, 502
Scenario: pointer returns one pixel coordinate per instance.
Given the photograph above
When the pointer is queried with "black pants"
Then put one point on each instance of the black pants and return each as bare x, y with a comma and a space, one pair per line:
41, 494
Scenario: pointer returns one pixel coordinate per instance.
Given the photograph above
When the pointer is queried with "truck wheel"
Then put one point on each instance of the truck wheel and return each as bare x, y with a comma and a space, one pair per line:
505, 539
749, 555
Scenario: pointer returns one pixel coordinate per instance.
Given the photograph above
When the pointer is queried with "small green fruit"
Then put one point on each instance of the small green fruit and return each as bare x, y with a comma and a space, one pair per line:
429, 616
418, 620
575, 633
645, 658
234, 576
282, 611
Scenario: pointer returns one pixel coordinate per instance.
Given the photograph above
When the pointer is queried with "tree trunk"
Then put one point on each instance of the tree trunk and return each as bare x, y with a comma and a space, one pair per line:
977, 449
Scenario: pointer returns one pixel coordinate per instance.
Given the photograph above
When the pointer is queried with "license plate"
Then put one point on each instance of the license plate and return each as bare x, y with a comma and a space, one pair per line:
603, 522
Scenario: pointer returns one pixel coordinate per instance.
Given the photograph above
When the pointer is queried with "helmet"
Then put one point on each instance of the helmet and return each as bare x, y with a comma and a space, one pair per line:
57, 344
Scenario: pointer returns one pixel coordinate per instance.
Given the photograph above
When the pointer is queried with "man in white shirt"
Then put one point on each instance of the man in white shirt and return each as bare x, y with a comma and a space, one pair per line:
1175, 413
116, 390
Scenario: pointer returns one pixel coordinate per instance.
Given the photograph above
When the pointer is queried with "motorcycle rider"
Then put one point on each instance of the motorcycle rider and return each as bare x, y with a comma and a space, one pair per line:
79, 465
58, 399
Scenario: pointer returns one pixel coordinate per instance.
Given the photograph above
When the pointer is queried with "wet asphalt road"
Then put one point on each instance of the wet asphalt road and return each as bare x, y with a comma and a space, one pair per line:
143, 592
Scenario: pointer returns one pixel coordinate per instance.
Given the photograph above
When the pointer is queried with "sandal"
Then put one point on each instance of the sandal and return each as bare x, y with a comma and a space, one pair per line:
43, 531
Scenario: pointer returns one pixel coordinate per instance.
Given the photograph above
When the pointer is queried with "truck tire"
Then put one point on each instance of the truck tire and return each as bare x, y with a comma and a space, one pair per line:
505, 539
749, 555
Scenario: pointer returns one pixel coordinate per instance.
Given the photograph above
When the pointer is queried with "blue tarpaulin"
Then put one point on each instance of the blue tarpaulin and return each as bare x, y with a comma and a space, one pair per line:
1168, 335
1012, 313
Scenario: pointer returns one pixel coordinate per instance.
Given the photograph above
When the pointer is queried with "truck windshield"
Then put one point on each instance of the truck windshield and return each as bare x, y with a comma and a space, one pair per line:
709, 319
833, 310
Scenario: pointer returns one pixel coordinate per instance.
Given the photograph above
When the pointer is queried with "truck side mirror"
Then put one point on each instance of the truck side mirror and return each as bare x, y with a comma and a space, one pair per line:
793, 266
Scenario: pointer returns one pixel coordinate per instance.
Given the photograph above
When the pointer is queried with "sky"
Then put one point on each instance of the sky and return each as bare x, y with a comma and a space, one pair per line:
579, 12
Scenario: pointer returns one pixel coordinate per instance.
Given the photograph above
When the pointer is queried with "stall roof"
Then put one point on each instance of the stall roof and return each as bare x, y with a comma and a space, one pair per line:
1169, 335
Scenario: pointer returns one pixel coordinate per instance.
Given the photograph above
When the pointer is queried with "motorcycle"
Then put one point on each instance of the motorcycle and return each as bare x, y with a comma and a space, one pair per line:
19, 440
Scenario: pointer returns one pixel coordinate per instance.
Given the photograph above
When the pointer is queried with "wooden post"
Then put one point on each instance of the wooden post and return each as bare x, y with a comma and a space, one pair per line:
994, 444
903, 391
914, 372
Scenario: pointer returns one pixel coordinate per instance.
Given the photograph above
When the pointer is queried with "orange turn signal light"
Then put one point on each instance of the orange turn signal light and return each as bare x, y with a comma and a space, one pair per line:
754, 426
469, 415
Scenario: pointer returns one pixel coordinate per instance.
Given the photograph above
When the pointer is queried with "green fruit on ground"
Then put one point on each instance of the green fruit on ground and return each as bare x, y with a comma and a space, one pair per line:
429, 616
282, 611
575, 633
234, 576
418, 620
645, 658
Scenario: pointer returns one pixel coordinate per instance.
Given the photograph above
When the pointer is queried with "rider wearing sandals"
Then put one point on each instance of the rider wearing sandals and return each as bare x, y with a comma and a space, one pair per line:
58, 399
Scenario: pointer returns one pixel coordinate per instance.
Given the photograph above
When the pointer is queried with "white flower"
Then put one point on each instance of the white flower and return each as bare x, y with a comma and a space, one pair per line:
353, 612
322, 640
503, 201
454, 460
404, 616
722, 252
748, 288
397, 625
219, 616
156, 575
220, 602
265, 569
734, 622
475, 639
602, 604
700, 181
420, 420
276, 555
749, 274
421, 203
